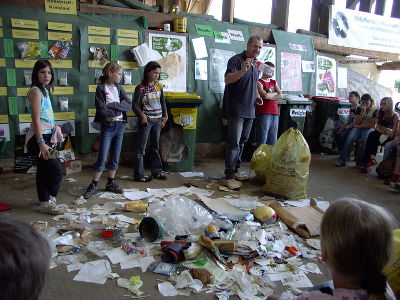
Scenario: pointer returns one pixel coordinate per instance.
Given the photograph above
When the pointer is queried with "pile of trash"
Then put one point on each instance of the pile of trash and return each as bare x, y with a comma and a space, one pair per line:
234, 245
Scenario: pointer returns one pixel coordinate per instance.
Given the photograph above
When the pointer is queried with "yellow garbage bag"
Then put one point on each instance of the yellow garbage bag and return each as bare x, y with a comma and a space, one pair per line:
290, 161
260, 161
392, 270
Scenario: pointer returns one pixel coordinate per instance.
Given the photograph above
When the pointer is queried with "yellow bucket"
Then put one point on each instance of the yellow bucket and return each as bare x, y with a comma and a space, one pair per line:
180, 24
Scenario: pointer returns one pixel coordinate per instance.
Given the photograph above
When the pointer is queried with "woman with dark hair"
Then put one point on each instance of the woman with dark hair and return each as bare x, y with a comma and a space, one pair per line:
149, 105
364, 122
43, 135
385, 130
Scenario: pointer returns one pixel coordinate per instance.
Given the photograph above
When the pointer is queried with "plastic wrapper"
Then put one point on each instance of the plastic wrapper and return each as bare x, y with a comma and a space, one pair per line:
127, 77
99, 248
136, 206
261, 161
70, 259
180, 215
290, 162
97, 74
62, 78
29, 49
28, 77
63, 103
60, 49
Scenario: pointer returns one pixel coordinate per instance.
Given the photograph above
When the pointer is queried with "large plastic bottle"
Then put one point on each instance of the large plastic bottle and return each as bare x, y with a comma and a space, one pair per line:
264, 68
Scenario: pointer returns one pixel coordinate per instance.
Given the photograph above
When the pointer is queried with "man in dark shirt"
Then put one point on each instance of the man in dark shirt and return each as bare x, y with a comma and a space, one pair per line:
240, 97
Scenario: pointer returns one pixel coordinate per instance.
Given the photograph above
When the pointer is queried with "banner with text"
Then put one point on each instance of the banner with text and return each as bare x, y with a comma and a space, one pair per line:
356, 29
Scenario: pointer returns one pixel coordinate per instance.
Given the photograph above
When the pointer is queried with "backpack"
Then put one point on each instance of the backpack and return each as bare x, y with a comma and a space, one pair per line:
386, 167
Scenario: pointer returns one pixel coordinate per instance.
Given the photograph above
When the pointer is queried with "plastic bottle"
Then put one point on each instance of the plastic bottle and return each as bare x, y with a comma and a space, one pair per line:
263, 67
175, 9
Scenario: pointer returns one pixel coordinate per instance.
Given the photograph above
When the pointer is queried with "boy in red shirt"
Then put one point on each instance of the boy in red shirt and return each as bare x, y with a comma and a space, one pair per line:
267, 114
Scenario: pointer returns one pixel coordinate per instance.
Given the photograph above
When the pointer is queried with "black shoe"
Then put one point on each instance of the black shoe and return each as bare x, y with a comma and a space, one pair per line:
90, 191
160, 176
114, 188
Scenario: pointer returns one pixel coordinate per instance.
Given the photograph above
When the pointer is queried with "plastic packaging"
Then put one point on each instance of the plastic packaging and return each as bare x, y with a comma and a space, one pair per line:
127, 77
290, 162
28, 77
63, 103
180, 215
265, 68
99, 248
60, 49
62, 78
136, 206
29, 49
97, 74
261, 161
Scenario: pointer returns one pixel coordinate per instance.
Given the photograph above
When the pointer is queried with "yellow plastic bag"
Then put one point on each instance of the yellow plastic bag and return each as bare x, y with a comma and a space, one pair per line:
392, 270
290, 161
260, 161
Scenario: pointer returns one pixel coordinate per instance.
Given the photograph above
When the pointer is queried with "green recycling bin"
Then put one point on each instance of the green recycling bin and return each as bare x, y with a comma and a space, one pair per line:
293, 111
327, 107
182, 111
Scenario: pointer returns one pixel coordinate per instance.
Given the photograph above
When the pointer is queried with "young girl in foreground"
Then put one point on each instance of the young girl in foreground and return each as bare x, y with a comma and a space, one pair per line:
112, 103
42, 136
149, 104
356, 243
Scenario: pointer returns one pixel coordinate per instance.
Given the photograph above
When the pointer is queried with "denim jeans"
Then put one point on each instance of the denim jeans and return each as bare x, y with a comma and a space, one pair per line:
49, 172
152, 130
238, 133
112, 135
341, 137
354, 135
267, 129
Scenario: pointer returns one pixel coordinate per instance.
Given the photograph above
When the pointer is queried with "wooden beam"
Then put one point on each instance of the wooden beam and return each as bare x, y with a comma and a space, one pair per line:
314, 19
396, 9
351, 4
228, 9
389, 66
320, 16
164, 5
280, 13
380, 7
366, 5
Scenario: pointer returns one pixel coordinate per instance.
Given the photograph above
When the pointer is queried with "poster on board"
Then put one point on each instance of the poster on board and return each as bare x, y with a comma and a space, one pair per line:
291, 79
170, 51
325, 77
218, 63
268, 54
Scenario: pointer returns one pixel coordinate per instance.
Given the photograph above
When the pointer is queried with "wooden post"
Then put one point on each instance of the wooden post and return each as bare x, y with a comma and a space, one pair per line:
280, 13
320, 16
366, 5
380, 7
351, 4
396, 9
164, 5
228, 8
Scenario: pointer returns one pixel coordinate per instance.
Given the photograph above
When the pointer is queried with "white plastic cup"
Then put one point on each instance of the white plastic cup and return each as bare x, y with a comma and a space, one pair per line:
167, 27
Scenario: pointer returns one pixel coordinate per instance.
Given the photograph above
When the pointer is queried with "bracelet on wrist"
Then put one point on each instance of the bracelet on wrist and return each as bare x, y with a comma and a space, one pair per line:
40, 141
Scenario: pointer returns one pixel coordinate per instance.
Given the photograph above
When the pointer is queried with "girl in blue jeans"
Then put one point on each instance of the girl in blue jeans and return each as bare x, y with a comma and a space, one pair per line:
149, 105
112, 103
364, 121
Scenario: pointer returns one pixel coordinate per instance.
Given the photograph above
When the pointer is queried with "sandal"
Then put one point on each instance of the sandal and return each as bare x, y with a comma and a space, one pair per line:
145, 178
160, 176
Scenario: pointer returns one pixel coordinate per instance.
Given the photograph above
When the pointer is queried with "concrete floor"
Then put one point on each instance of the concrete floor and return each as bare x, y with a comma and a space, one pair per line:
326, 182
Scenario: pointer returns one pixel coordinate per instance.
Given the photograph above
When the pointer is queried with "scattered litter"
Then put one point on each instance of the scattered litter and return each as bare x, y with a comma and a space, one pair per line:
70, 179
94, 271
192, 174
79, 201
167, 289
133, 284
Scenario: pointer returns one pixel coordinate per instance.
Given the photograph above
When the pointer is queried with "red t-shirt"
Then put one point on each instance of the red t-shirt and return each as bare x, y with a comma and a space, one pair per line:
268, 107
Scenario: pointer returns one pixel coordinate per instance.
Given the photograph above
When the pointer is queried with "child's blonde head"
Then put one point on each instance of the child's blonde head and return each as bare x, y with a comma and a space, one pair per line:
356, 242
110, 67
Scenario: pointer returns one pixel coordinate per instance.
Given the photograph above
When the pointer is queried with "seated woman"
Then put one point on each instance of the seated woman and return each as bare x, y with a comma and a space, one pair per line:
364, 121
342, 132
385, 129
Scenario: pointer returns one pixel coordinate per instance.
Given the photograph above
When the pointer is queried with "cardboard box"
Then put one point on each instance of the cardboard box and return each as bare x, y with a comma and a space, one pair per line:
72, 166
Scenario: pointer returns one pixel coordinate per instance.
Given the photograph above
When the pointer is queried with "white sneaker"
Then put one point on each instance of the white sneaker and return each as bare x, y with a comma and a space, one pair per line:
52, 200
233, 184
241, 176
50, 208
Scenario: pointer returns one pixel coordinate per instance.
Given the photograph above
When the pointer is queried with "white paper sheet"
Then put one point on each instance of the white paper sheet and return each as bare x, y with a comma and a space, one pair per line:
295, 280
74, 267
130, 264
117, 255
192, 174
95, 272
137, 195
199, 46
200, 70
236, 35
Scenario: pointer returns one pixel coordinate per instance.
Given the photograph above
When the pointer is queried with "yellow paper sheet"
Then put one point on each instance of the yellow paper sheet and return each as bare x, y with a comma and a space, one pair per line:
65, 7
63, 90
55, 36
3, 91
25, 34
22, 92
128, 64
63, 116
127, 33
59, 26
24, 118
98, 39
98, 30
3, 119
2, 61
22, 23
127, 42
19, 63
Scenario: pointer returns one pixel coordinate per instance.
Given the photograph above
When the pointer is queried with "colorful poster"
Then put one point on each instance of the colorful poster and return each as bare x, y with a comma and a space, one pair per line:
170, 52
291, 79
268, 53
4, 128
325, 77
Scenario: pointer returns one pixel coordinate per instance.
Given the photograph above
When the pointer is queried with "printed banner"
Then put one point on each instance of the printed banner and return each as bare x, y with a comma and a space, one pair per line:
291, 79
362, 30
